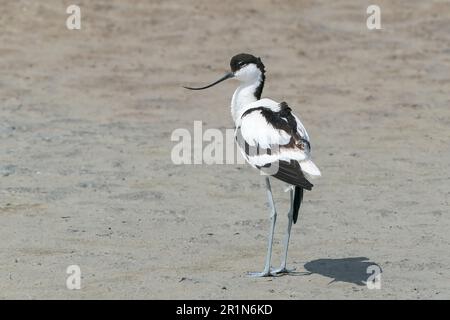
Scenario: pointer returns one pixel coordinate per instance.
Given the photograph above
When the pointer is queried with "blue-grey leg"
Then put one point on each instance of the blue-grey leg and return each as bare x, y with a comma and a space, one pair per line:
273, 219
282, 269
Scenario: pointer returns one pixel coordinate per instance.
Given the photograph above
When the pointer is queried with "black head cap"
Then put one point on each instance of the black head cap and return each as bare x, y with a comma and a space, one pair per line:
243, 59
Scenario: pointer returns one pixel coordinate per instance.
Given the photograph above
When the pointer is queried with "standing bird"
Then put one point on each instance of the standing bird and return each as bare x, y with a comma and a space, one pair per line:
271, 139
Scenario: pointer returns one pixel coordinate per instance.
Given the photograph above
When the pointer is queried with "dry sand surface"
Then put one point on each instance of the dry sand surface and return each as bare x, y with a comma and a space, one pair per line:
86, 176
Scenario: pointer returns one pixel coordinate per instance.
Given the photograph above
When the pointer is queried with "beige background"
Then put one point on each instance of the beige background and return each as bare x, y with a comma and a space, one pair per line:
85, 170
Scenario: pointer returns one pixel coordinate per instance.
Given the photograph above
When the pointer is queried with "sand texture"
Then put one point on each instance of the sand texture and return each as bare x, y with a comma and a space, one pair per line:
86, 176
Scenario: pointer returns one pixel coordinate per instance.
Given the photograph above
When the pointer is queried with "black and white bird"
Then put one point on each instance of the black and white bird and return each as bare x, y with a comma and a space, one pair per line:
271, 139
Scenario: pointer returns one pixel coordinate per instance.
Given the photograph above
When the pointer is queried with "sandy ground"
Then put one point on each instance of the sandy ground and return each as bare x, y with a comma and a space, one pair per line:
86, 176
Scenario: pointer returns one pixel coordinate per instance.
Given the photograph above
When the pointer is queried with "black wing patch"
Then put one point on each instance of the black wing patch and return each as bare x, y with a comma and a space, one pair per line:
283, 120
289, 172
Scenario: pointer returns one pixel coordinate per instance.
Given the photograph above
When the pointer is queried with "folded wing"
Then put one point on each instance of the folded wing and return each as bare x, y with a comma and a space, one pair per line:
269, 135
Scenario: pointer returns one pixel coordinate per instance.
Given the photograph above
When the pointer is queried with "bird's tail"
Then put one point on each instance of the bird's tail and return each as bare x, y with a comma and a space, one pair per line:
298, 197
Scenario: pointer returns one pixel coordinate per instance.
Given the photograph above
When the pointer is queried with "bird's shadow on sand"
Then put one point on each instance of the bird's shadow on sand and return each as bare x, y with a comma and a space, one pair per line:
352, 270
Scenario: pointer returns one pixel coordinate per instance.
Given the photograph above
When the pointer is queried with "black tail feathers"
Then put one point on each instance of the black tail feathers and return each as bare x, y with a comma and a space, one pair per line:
298, 197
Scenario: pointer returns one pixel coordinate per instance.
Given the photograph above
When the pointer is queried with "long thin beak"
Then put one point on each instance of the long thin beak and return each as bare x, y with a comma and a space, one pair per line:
225, 77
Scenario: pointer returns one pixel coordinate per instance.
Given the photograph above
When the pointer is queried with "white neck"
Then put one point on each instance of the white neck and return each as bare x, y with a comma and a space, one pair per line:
243, 95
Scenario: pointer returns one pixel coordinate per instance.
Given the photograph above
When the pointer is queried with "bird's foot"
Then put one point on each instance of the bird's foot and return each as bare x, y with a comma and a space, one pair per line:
260, 274
272, 273
281, 271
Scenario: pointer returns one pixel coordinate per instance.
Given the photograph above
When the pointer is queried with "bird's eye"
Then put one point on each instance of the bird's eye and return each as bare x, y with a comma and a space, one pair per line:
241, 64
